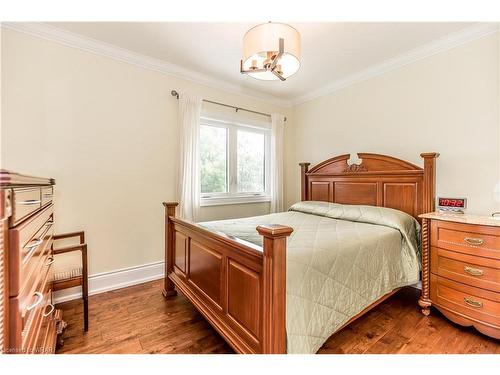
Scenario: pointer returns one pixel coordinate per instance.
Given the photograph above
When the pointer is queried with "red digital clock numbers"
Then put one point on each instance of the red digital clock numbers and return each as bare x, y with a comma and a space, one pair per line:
451, 202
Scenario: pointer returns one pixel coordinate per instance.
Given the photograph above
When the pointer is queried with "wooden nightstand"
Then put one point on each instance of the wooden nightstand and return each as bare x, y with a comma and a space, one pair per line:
461, 269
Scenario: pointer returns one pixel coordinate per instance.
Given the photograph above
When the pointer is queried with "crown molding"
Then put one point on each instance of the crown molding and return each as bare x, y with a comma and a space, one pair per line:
49, 32
70, 39
439, 45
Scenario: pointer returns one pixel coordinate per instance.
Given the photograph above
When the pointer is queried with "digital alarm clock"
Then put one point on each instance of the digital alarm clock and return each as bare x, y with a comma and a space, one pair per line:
457, 205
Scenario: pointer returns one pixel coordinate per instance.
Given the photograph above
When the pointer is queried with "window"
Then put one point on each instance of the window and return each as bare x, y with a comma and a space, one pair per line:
213, 150
234, 163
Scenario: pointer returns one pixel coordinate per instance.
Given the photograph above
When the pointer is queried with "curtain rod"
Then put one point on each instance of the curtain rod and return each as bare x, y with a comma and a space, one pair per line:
176, 94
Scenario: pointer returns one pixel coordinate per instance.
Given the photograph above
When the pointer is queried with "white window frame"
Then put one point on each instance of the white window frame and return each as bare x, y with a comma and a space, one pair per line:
232, 196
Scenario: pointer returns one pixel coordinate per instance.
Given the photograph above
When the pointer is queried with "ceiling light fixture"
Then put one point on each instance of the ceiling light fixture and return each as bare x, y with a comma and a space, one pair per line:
271, 51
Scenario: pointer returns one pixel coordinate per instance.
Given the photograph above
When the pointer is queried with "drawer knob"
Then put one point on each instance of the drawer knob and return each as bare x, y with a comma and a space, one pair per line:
32, 247
51, 310
51, 260
34, 243
473, 271
39, 299
474, 241
29, 202
472, 303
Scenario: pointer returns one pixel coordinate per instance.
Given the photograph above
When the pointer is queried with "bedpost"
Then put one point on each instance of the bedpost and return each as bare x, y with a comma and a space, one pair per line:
429, 198
424, 300
304, 167
169, 288
274, 284
429, 188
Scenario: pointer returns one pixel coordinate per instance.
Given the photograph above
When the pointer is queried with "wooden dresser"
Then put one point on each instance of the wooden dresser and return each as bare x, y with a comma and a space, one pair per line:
29, 320
461, 269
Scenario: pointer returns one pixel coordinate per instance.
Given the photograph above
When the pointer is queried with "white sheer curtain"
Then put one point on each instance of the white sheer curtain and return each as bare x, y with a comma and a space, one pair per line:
277, 141
189, 176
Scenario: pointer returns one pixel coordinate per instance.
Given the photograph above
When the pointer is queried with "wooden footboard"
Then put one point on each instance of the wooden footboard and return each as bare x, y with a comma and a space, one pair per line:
239, 287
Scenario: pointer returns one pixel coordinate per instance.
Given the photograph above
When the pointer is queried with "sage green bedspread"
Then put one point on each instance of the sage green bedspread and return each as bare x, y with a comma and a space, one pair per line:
340, 259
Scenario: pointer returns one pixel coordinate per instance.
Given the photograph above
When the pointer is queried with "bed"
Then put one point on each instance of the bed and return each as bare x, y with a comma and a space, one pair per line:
353, 241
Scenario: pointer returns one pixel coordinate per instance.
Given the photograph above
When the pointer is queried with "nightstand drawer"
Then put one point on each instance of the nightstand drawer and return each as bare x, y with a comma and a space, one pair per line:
475, 303
466, 238
467, 269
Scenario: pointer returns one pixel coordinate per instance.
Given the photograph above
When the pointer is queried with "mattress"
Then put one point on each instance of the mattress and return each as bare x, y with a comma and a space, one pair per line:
340, 260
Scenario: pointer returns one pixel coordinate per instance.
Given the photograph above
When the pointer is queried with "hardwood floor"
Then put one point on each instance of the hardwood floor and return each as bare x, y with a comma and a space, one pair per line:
139, 320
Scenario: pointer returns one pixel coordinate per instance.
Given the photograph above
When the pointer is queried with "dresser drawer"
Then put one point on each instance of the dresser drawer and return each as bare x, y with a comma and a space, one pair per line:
467, 269
29, 246
466, 238
37, 284
36, 338
474, 303
46, 195
33, 332
26, 313
46, 340
25, 201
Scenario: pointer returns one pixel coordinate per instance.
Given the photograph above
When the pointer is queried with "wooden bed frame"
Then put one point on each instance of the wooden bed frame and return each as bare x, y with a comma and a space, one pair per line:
240, 288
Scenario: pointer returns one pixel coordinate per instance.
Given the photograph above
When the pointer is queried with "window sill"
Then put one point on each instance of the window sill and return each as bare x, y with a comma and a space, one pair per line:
222, 201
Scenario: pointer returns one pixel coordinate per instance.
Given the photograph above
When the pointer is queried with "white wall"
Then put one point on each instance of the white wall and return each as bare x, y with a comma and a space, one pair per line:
107, 132
447, 103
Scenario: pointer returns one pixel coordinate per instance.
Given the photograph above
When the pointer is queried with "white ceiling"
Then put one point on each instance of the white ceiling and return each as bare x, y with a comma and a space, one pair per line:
330, 51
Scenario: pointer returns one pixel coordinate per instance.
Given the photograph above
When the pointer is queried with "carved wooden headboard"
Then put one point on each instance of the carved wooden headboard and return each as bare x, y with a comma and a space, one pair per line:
378, 181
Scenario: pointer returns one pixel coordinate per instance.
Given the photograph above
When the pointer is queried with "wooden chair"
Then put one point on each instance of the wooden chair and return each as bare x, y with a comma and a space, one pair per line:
78, 280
